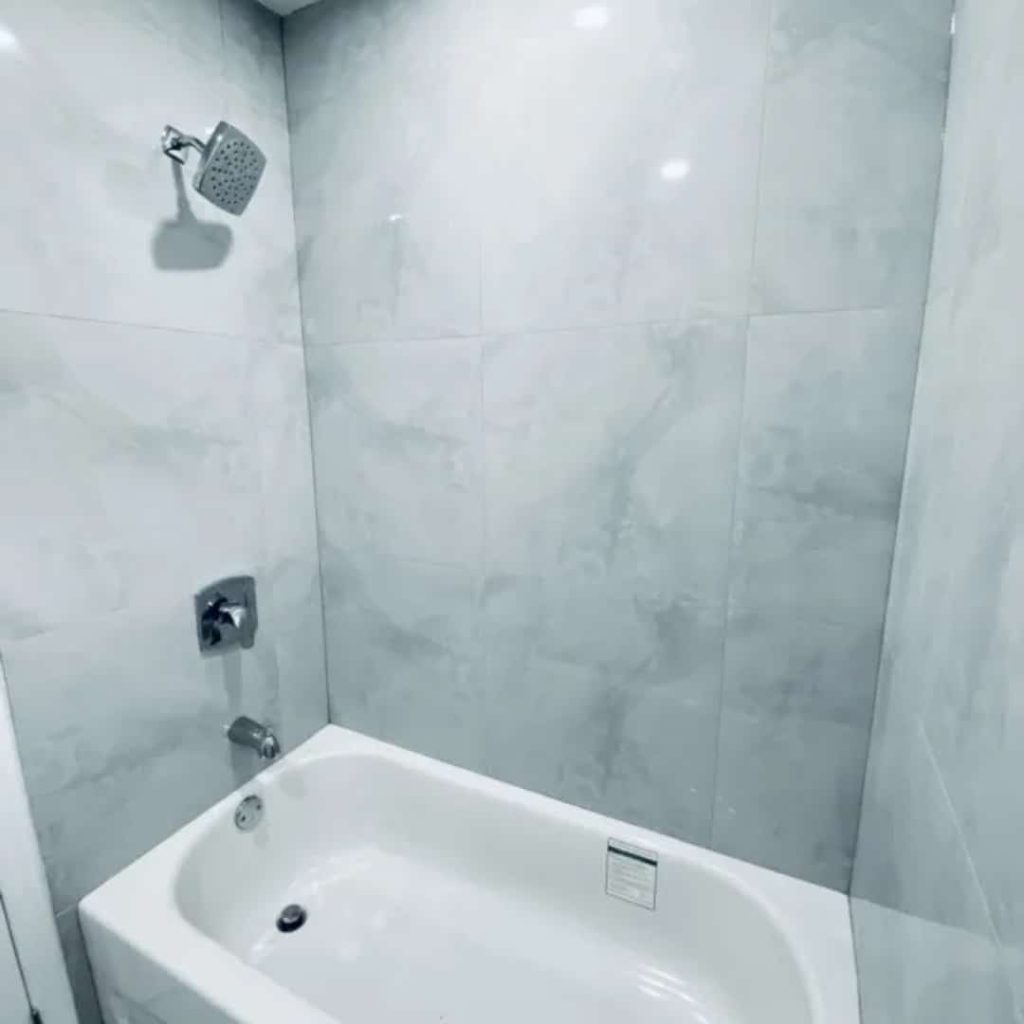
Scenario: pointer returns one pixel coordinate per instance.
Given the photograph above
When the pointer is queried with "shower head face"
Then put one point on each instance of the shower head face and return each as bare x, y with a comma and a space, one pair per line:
230, 169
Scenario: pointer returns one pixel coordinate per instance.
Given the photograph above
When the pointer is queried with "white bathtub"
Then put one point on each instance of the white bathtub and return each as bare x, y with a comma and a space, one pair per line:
437, 896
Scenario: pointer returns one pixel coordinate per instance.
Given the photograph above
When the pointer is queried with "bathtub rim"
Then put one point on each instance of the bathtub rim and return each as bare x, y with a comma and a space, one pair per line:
795, 908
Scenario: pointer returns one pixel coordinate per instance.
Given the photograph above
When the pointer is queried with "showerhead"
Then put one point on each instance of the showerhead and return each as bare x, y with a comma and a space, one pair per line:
230, 164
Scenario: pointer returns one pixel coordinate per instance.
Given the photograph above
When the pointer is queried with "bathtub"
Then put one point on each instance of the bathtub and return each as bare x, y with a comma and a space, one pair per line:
436, 896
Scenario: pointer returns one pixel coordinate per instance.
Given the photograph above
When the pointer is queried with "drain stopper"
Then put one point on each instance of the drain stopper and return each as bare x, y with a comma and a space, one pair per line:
292, 918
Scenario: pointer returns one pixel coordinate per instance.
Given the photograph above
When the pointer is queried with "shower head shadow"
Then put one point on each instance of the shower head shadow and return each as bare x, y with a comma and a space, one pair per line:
230, 164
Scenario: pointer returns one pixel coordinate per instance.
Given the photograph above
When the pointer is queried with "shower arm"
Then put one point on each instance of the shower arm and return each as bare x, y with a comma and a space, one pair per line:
176, 144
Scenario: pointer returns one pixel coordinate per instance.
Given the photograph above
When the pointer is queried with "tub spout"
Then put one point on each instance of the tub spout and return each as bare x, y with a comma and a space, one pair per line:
248, 733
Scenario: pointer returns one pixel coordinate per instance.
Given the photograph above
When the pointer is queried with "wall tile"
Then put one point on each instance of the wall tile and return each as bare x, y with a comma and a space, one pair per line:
155, 428
403, 652
100, 224
119, 442
852, 141
915, 971
397, 432
610, 454
788, 792
603, 696
826, 411
620, 146
381, 103
778, 664
571, 193
164, 760
253, 56
943, 851
814, 564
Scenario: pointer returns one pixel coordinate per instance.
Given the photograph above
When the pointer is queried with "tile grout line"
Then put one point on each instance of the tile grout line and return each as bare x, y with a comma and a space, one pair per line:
740, 429
972, 868
314, 476
900, 524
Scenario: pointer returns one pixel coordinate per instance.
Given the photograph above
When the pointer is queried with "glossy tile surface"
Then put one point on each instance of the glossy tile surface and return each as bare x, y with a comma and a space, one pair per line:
573, 498
154, 432
98, 224
937, 850
852, 137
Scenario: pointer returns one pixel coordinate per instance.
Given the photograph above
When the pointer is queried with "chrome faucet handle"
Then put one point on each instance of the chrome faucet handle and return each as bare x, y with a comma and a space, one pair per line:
226, 614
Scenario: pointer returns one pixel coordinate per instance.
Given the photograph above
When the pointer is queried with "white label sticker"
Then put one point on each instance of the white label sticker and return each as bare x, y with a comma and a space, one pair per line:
631, 874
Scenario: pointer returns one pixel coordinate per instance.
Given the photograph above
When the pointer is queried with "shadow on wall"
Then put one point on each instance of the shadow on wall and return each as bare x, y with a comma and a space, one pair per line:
187, 243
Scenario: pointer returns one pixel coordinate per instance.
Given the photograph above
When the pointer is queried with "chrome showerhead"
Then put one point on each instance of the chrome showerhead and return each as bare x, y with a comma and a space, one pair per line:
230, 164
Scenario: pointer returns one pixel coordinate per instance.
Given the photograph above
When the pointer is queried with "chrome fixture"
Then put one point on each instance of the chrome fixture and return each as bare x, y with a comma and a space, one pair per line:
226, 614
230, 164
247, 733
248, 814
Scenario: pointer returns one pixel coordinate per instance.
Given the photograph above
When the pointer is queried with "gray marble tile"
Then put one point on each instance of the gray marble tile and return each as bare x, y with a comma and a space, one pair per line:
387, 170
118, 443
916, 971
109, 712
253, 54
79, 973
639, 636
813, 564
852, 142
603, 696
610, 454
954, 644
778, 664
622, 145
641, 754
396, 432
787, 794
911, 857
108, 231
826, 410
403, 652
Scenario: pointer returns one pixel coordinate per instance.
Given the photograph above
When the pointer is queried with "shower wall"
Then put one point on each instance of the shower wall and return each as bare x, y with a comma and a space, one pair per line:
153, 426
939, 884
612, 316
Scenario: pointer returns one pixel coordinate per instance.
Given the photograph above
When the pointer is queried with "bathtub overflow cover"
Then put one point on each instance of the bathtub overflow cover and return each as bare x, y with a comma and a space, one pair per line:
292, 918
248, 813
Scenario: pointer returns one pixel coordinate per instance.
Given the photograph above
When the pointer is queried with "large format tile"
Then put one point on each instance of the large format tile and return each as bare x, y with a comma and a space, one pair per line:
826, 410
403, 652
813, 564
610, 454
852, 143
779, 664
605, 696
387, 169
99, 223
162, 761
954, 642
396, 431
142, 464
622, 145
118, 443
914, 970
788, 793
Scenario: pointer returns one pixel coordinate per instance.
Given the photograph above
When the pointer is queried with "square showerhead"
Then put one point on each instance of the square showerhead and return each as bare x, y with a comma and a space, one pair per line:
230, 169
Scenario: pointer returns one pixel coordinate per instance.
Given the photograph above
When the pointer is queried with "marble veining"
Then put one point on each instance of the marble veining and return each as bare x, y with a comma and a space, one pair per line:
154, 432
938, 888
613, 314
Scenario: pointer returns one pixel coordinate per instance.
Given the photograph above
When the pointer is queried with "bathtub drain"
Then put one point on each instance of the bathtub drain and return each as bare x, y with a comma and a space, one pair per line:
292, 918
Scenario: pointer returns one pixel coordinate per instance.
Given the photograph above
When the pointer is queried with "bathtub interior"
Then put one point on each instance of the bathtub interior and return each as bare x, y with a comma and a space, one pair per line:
433, 894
